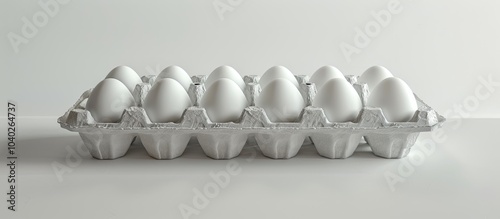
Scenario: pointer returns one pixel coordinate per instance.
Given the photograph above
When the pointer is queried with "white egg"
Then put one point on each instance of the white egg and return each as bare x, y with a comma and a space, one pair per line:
176, 73
395, 98
108, 100
281, 100
166, 101
374, 75
277, 72
225, 72
126, 75
339, 100
224, 101
324, 74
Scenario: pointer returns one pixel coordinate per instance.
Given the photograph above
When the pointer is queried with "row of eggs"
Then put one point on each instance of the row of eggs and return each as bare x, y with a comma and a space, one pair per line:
225, 101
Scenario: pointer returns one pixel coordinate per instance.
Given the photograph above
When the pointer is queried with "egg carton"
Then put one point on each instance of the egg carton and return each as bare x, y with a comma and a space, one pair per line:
226, 140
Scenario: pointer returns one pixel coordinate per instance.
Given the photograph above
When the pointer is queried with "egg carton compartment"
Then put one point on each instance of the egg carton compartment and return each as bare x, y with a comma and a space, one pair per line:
225, 140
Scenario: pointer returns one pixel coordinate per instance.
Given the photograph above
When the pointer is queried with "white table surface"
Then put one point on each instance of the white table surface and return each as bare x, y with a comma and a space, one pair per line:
459, 179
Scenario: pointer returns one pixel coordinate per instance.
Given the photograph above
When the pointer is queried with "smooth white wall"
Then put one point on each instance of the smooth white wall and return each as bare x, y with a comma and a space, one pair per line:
440, 48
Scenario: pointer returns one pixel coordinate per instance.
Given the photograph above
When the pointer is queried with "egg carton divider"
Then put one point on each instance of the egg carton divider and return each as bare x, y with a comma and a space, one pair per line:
226, 140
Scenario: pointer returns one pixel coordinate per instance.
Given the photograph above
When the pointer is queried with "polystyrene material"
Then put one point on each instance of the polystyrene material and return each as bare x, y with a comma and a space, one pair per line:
226, 140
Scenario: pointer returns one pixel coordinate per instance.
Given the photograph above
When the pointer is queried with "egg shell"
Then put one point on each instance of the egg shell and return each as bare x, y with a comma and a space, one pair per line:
224, 101
277, 72
324, 74
225, 72
176, 73
108, 100
395, 98
166, 101
126, 75
339, 100
281, 101
373, 76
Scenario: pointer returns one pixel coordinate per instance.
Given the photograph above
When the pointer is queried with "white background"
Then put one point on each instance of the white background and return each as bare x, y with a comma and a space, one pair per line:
440, 48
